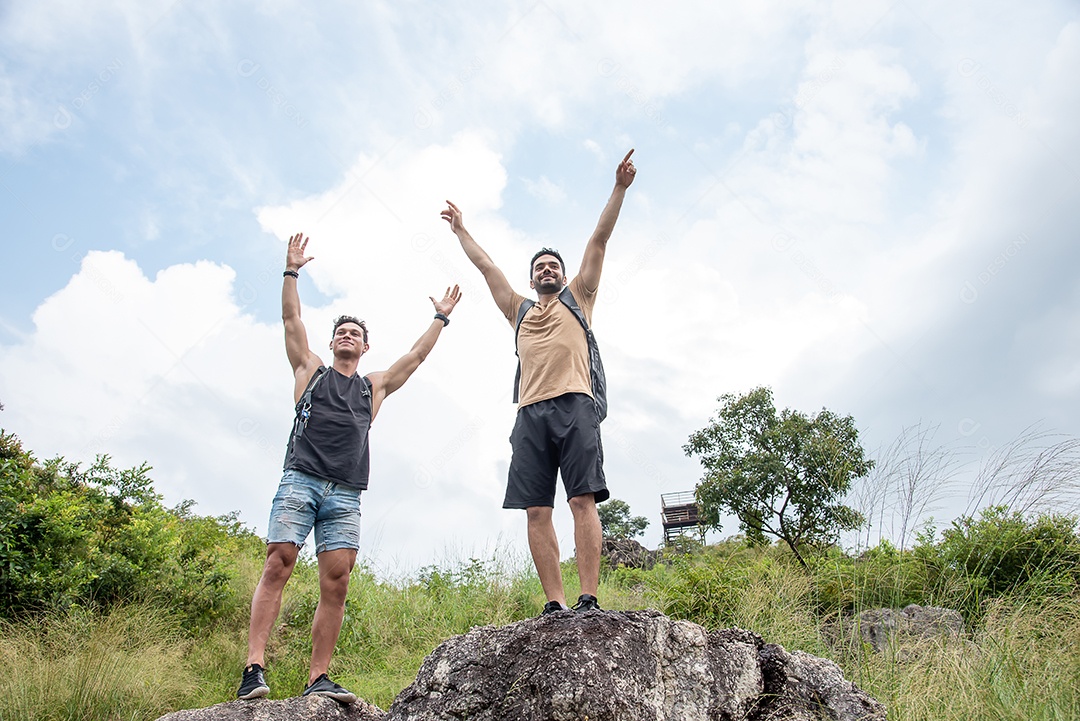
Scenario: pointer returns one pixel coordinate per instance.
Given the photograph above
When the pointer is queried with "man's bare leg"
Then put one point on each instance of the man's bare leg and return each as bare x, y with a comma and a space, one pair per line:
334, 569
544, 545
266, 601
588, 540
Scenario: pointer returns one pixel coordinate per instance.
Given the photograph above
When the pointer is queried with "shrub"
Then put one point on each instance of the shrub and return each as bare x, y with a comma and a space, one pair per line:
100, 536
881, 576
1005, 553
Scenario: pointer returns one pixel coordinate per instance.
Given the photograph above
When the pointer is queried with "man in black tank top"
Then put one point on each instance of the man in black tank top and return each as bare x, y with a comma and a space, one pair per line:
326, 468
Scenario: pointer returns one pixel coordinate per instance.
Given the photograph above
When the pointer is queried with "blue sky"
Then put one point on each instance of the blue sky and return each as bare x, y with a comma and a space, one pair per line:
868, 206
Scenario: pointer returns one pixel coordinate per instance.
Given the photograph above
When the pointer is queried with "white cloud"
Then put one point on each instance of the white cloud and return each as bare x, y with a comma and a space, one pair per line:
159, 370
545, 190
815, 188
594, 147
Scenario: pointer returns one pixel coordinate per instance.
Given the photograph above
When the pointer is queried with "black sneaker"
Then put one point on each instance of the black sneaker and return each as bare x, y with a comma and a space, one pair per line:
585, 602
323, 686
553, 607
253, 685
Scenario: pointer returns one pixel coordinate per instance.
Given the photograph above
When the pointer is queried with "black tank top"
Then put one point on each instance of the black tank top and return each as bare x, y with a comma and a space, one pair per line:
329, 439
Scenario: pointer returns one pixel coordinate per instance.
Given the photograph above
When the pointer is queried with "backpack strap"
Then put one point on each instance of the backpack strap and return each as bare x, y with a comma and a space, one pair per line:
522, 310
303, 406
597, 378
570, 302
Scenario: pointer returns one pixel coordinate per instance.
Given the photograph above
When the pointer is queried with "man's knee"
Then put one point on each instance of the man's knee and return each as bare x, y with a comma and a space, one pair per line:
334, 569
585, 503
538, 514
280, 561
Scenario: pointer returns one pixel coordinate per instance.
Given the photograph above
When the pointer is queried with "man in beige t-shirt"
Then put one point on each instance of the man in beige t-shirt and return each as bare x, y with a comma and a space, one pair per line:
558, 420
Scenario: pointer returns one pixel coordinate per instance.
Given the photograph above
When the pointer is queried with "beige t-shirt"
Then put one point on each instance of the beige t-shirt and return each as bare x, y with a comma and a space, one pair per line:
552, 347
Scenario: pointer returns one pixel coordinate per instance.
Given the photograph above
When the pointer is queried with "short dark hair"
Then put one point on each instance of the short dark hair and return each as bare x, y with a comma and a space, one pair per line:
341, 319
546, 251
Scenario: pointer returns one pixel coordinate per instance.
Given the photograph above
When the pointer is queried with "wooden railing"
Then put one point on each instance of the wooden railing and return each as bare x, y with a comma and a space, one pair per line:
678, 510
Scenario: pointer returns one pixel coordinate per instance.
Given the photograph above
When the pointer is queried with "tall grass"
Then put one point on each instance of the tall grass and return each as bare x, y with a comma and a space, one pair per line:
129, 664
1020, 661
1022, 664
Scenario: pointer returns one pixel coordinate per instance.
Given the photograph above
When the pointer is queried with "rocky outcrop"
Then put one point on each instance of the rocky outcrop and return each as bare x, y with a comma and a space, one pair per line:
899, 631
600, 666
628, 552
310, 708
625, 666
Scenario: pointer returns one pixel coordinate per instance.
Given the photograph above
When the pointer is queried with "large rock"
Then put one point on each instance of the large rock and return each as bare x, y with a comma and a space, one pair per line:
900, 632
597, 666
628, 552
299, 708
625, 666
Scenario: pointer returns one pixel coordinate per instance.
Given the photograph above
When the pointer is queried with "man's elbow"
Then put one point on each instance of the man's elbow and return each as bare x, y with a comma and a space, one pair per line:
485, 265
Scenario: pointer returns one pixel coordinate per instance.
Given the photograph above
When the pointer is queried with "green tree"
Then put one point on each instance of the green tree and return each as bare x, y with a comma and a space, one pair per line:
616, 522
781, 475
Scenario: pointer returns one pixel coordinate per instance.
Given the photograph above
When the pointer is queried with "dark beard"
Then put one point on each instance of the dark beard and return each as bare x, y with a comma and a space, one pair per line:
548, 285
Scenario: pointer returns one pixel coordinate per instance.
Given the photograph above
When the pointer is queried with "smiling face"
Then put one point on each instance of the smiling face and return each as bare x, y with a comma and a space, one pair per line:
349, 340
547, 275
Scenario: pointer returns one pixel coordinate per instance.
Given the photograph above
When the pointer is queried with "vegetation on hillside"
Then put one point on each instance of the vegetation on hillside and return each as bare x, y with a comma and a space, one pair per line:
99, 536
118, 608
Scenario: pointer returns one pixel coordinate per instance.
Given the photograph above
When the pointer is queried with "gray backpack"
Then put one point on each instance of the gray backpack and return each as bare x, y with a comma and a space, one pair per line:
596, 366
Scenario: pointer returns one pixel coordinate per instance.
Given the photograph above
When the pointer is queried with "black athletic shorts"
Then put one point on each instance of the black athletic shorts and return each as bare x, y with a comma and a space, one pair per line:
559, 434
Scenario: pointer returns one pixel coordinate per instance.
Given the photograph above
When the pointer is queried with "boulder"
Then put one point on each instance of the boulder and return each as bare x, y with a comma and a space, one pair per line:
299, 708
625, 666
597, 666
628, 552
900, 631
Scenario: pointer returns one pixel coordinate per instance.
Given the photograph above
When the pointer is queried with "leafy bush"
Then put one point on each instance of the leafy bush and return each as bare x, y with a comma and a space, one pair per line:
880, 577
1003, 552
705, 591
999, 554
100, 536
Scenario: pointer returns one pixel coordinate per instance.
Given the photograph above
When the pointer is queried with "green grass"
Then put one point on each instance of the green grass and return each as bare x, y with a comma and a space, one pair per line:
1021, 661
130, 664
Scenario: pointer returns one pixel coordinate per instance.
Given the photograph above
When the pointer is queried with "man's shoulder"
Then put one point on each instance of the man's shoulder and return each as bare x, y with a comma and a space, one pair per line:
306, 371
582, 294
513, 313
585, 299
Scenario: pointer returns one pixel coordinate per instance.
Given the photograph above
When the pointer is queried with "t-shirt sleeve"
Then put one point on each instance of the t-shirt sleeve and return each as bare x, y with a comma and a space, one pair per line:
512, 311
584, 298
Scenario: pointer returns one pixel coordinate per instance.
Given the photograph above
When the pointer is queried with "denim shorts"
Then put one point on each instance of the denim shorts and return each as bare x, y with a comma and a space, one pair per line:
303, 502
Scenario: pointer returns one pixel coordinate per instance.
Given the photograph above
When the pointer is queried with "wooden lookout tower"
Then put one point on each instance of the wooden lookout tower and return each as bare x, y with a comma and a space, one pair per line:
680, 512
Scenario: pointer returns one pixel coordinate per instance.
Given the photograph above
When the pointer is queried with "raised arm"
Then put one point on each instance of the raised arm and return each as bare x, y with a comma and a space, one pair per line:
386, 382
592, 261
497, 283
302, 360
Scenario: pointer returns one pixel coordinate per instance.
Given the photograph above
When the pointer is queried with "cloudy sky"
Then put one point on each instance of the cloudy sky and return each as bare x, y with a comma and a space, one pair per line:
868, 206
